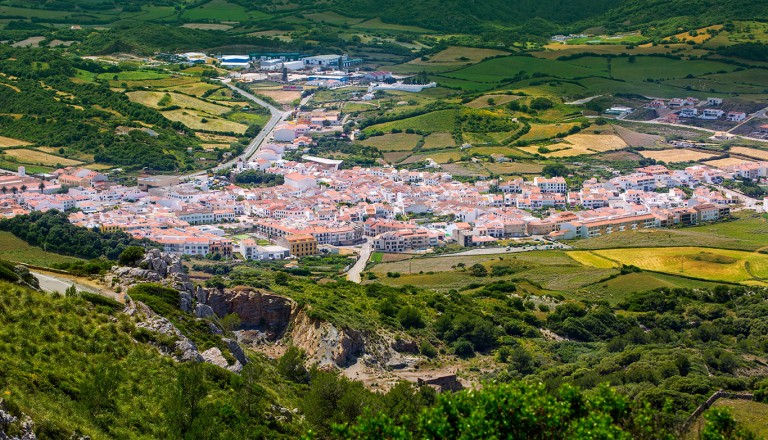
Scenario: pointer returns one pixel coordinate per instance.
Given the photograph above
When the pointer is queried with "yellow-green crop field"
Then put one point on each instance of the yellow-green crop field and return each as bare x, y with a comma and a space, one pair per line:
698, 262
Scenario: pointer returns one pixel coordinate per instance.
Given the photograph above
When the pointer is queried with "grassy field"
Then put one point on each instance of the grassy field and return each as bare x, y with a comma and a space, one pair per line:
546, 131
750, 152
676, 155
482, 101
6, 142
221, 10
579, 144
752, 415
746, 233
194, 120
438, 140
698, 262
393, 142
588, 258
17, 250
38, 157
439, 121
151, 99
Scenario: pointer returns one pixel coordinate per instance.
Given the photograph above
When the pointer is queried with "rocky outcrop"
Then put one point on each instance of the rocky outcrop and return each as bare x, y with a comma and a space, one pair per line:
23, 429
184, 349
257, 309
324, 343
214, 356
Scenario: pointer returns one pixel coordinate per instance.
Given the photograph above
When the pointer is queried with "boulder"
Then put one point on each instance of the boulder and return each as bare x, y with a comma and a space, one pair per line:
203, 311
236, 350
185, 302
214, 356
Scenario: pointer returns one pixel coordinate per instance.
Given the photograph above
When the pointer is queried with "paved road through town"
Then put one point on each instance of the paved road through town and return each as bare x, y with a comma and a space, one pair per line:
355, 271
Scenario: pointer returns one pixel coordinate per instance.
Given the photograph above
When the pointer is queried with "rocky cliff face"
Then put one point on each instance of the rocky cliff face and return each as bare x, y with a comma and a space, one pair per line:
258, 310
265, 318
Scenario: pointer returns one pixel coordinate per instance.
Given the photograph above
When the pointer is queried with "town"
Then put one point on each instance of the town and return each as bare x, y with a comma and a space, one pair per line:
321, 206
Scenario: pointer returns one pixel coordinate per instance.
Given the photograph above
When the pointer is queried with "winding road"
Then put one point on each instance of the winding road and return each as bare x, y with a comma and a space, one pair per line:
277, 116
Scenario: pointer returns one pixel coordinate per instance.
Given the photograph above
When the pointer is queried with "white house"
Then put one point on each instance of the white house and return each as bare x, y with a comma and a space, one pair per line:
689, 112
711, 113
736, 116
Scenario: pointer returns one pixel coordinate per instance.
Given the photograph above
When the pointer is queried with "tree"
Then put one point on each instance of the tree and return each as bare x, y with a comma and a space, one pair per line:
184, 401
478, 270
410, 317
4, 189
720, 425
555, 170
281, 279
230, 322
130, 255
291, 365
41, 186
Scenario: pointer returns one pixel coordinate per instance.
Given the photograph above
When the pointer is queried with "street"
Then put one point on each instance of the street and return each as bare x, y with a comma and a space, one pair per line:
365, 254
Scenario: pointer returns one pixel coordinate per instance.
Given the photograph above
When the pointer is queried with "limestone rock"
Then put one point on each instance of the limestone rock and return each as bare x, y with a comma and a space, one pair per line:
236, 350
203, 311
185, 302
256, 309
214, 356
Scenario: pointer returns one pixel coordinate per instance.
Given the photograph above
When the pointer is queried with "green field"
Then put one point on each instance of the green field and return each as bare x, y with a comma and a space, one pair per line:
18, 251
221, 10
438, 121
393, 142
747, 232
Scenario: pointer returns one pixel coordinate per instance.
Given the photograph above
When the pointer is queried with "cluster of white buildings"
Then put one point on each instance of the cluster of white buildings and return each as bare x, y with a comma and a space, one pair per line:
321, 205
671, 111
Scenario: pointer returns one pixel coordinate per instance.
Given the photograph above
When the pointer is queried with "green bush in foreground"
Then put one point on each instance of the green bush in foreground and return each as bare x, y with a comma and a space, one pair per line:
521, 410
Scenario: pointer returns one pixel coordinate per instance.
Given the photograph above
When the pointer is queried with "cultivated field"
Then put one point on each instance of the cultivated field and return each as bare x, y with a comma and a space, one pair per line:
750, 152
698, 262
588, 258
676, 155
441, 120
546, 131
6, 142
39, 158
438, 140
194, 120
459, 55
727, 162
393, 142
151, 99
579, 144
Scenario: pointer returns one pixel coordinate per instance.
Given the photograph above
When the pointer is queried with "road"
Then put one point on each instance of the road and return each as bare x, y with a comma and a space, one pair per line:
277, 117
54, 283
749, 202
365, 254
